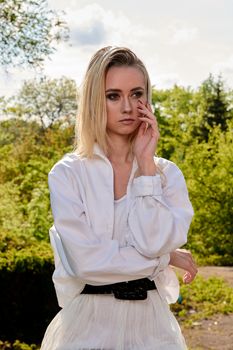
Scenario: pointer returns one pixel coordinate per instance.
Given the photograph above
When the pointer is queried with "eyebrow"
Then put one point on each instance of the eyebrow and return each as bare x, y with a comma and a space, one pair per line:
118, 90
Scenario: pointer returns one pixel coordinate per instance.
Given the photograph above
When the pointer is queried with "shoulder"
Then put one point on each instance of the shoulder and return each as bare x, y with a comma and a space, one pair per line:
66, 166
167, 166
65, 175
68, 161
171, 174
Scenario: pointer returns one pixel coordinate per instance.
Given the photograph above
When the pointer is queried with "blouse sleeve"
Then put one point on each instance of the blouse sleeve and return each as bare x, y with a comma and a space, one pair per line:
93, 259
159, 217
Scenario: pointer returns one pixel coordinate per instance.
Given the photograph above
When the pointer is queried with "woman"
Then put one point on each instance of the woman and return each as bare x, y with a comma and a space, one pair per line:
120, 214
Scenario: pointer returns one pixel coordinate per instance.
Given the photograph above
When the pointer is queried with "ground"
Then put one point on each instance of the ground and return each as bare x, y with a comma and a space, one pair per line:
215, 333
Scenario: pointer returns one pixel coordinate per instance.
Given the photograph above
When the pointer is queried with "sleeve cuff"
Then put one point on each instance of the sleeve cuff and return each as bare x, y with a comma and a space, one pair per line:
163, 263
147, 186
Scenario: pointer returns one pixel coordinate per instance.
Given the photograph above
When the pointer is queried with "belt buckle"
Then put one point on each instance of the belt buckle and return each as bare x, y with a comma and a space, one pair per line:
124, 291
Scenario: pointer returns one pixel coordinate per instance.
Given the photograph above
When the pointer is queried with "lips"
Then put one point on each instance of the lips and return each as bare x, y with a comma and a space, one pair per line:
127, 120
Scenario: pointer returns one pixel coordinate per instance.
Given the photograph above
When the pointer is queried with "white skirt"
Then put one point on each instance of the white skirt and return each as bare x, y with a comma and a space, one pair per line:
101, 322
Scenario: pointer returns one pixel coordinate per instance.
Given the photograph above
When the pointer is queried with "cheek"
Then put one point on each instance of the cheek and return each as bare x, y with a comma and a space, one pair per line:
111, 113
111, 107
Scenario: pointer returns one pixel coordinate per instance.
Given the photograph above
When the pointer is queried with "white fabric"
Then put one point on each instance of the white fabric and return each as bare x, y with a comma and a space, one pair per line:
103, 322
120, 226
82, 201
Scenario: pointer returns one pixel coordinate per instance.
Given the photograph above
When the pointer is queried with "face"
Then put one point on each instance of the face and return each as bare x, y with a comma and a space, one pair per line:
124, 86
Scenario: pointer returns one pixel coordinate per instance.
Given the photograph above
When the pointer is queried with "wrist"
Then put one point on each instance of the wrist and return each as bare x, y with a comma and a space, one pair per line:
172, 256
147, 169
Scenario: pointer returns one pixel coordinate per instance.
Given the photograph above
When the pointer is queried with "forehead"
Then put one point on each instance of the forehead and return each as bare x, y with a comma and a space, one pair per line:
124, 78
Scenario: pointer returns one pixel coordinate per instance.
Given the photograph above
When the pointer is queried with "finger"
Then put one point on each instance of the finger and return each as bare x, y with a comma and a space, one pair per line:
150, 123
146, 107
192, 270
146, 127
141, 130
188, 277
145, 112
147, 104
149, 116
146, 119
188, 263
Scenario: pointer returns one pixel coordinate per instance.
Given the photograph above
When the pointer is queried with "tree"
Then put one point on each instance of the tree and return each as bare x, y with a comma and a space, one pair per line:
26, 157
45, 100
213, 107
209, 173
28, 29
205, 159
174, 110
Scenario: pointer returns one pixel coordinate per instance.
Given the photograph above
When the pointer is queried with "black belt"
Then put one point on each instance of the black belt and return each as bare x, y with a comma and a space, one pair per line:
132, 290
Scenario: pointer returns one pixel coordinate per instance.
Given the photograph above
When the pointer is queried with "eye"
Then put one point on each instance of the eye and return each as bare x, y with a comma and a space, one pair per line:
112, 97
137, 94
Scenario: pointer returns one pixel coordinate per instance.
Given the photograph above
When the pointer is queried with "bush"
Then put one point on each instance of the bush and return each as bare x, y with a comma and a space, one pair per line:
17, 345
27, 296
202, 299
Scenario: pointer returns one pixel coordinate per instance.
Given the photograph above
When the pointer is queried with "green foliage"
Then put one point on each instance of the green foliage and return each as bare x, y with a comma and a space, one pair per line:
175, 110
28, 30
202, 299
214, 108
209, 175
27, 154
196, 133
28, 150
17, 345
45, 100
18, 254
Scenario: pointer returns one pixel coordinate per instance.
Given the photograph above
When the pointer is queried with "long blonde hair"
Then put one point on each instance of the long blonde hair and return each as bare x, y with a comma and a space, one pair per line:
92, 115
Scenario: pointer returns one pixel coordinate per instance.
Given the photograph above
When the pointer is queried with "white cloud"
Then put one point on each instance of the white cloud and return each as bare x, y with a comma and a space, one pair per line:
183, 35
178, 43
87, 26
166, 81
11, 82
225, 67
93, 25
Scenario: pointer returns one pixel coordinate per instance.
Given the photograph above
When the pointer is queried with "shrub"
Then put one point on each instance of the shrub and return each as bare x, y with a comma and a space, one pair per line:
27, 296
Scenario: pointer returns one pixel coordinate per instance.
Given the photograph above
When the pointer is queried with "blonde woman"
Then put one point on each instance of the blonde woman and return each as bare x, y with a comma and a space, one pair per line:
120, 215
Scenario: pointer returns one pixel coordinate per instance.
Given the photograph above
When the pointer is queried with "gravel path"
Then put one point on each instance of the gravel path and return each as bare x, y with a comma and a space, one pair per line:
215, 333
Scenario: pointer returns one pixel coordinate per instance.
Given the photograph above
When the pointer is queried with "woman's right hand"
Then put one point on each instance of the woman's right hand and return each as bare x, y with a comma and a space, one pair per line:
183, 259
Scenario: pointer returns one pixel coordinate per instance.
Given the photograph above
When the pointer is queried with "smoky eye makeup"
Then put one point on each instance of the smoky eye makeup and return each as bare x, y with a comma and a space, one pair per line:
138, 93
112, 96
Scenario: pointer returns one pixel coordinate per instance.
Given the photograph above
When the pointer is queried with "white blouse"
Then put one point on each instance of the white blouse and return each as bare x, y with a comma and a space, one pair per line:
85, 249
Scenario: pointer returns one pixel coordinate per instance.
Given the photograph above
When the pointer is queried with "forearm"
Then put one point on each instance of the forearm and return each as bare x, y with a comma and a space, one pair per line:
183, 259
155, 226
103, 262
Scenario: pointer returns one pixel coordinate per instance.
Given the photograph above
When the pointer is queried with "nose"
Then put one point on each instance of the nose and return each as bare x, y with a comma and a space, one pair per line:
126, 105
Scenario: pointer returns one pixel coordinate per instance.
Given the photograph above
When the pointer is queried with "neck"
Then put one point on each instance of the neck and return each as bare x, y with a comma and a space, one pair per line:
119, 151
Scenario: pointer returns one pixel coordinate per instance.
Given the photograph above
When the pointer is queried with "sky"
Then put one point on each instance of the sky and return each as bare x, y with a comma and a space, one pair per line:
180, 41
